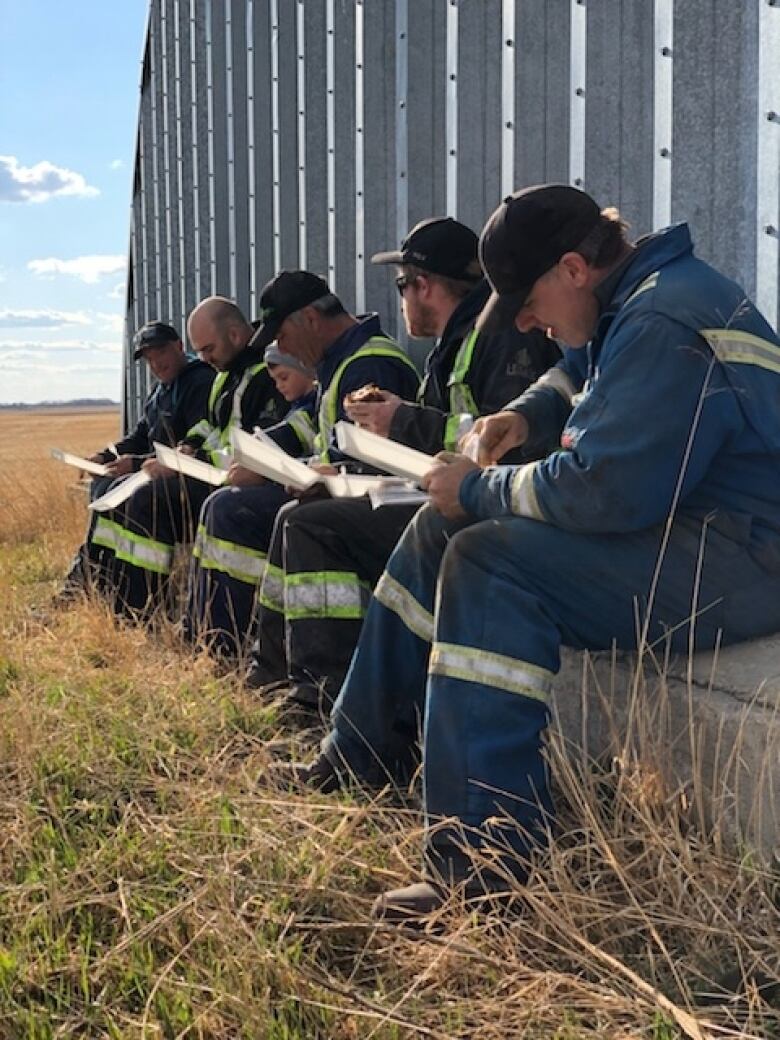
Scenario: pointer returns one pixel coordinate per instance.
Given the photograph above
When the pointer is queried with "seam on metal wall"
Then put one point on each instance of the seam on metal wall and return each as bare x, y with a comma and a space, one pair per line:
578, 74
210, 145
231, 150
401, 119
330, 133
768, 161
250, 153
360, 231
451, 110
663, 102
276, 200
300, 84
507, 96
195, 168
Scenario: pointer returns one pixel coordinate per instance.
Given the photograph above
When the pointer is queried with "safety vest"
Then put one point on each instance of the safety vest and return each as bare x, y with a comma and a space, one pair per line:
462, 406
215, 440
377, 346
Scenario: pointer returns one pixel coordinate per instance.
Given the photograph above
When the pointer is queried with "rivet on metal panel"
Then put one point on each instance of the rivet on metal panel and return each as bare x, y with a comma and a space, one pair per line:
578, 182
453, 76
510, 43
773, 117
509, 125
664, 153
452, 151
402, 104
359, 66
666, 52
402, 36
770, 229
580, 92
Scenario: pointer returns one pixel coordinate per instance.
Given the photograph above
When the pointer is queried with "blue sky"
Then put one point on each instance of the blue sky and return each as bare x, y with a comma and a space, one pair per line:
69, 87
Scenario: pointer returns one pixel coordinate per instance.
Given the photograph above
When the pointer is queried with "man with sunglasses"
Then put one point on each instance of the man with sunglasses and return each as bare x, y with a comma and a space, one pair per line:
326, 556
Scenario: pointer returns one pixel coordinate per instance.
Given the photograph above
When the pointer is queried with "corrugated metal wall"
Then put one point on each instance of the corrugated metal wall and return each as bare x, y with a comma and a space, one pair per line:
312, 133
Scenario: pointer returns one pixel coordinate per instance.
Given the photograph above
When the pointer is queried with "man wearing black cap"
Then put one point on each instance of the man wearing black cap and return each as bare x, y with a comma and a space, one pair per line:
308, 322
326, 557
177, 400
143, 532
657, 519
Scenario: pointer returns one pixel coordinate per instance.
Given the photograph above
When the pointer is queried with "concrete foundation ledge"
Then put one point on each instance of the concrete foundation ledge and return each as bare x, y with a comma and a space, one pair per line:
710, 724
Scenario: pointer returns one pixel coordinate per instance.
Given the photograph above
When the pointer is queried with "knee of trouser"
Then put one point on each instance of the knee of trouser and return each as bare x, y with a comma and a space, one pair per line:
217, 511
428, 528
496, 546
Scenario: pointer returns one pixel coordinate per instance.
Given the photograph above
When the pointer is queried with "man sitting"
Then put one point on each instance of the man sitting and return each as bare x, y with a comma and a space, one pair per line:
662, 503
310, 323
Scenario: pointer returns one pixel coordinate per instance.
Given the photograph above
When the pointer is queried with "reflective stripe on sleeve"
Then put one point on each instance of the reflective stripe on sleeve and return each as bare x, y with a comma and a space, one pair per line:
391, 594
325, 594
106, 533
489, 669
524, 501
238, 561
272, 589
742, 348
556, 379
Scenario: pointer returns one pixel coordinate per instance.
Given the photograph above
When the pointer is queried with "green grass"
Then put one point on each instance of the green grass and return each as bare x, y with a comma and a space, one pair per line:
151, 887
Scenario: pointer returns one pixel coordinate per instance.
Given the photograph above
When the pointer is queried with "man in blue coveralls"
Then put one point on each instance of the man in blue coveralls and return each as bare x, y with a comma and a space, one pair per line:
668, 406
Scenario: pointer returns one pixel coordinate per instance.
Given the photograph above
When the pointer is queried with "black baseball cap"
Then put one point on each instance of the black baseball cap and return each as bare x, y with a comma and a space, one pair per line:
526, 236
440, 245
153, 334
285, 294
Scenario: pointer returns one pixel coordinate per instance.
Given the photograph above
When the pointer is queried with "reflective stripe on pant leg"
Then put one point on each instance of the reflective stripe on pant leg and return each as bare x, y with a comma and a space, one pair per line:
491, 669
325, 594
272, 589
391, 594
135, 549
237, 561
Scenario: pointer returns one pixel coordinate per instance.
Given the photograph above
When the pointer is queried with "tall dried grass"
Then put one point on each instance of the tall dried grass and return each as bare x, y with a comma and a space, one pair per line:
150, 888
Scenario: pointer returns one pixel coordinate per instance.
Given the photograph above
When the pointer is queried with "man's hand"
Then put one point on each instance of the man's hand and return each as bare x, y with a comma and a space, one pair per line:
119, 467
498, 434
442, 482
156, 470
375, 416
240, 476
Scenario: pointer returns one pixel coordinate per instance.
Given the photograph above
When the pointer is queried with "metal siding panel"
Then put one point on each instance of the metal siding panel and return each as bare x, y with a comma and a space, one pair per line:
426, 110
288, 130
344, 34
619, 114
479, 110
379, 182
202, 276
767, 175
542, 92
264, 217
220, 169
240, 149
315, 108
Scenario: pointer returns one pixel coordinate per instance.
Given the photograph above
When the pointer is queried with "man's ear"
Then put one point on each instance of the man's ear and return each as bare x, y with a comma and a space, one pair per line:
575, 269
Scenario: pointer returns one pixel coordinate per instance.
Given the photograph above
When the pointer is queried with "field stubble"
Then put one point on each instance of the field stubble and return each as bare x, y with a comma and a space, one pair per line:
150, 888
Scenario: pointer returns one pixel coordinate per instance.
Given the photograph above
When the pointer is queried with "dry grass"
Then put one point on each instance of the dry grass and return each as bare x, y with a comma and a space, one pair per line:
150, 888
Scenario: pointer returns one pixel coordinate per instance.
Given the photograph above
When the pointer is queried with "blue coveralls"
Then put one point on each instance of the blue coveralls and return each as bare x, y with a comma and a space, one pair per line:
679, 414
235, 525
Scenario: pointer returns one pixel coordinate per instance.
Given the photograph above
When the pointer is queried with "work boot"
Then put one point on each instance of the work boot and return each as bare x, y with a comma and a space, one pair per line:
257, 677
320, 775
413, 905
409, 906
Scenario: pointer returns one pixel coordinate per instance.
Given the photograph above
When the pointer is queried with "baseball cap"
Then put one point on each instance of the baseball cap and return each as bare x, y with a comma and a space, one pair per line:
285, 294
274, 356
526, 236
153, 334
440, 245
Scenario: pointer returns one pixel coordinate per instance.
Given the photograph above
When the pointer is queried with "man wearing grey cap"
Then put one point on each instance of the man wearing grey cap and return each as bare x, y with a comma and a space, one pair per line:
176, 401
657, 520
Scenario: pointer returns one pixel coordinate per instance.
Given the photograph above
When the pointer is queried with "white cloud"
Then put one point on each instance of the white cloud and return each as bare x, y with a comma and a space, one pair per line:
89, 269
118, 292
40, 182
41, 319
34, 348
116, 164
